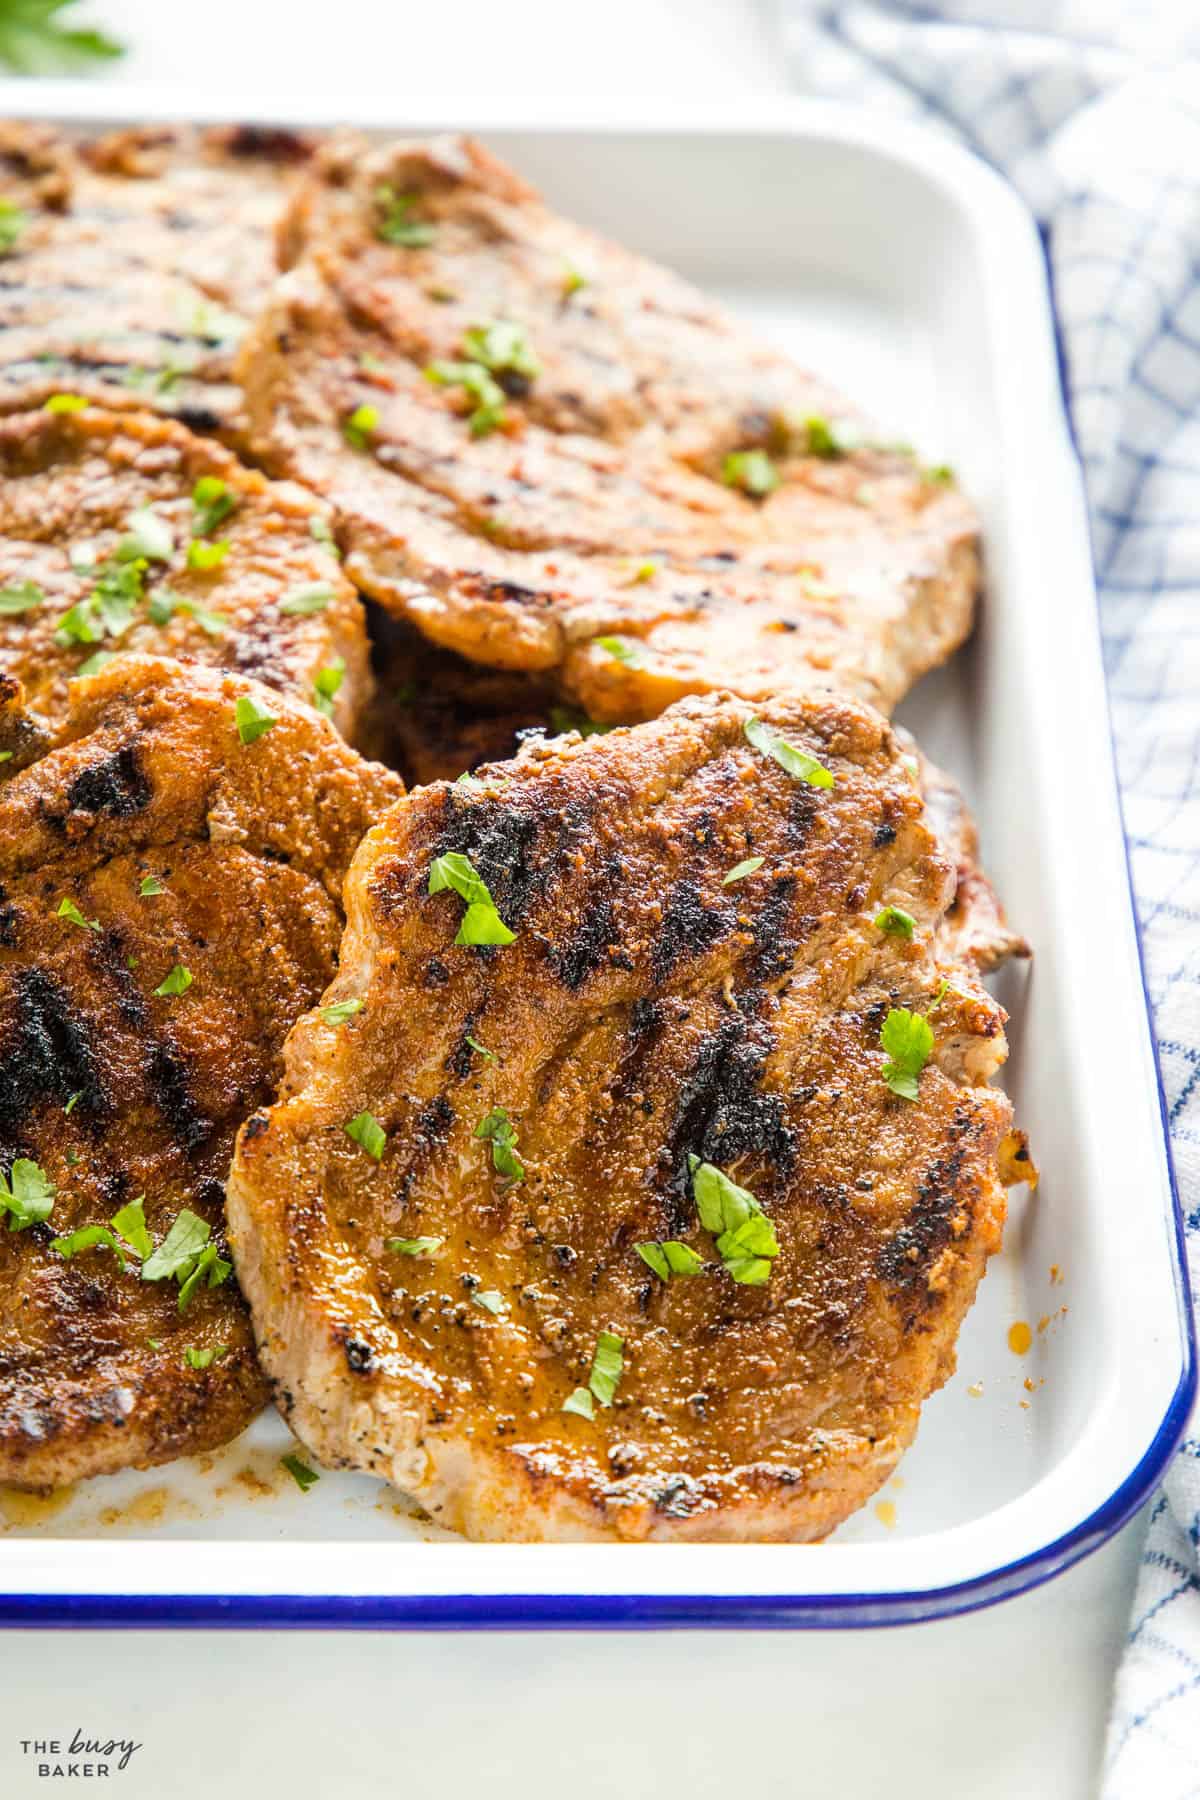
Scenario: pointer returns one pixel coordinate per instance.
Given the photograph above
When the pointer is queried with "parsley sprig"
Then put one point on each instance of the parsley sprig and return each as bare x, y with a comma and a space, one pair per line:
498, 1127
481, 923
608, 1365
746, 1240
26, 1194
797, 763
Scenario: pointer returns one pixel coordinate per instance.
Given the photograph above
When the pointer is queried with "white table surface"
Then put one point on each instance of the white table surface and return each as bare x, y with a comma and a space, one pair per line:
1005, 1703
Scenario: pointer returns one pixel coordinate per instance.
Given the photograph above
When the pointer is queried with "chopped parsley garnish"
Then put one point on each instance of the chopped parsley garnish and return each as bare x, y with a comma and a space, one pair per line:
481, 923
940, 474
670, 1258
130, 1222
12, 223
177, 982
212, 501
622, 649
364, 1128
149, 536
740, 870
481, 388
26, 1194
418, 1246
125, 1235
608, 1365
89, 1237
822, 439
205, 555
340, 1011
358, 428
301, 1474
896, 922
489, 1300
908, 1039
326, 683
499, 1128
481, 1049
572, 280
22, 597
72, 1103
186, 1255
67, 909
645, 571
797, 763
752, 471
6, 756
34, 40
503, 348
746, 1241
395, 223
65, 403
149, 885
313, 598
98, 660
164, 604
108, 610
321, 532
252, 719
204, 1359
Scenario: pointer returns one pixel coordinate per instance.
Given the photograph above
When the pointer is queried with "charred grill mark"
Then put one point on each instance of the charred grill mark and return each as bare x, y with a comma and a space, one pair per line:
723, 1114
435, 1120
165, 1071
688, 928
583, 953
774, 944
905, 1260
49, 1057
500, 840
646, 1021
117, 785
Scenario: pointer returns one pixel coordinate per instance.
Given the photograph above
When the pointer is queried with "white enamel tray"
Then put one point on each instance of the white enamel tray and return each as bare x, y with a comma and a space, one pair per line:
909, 274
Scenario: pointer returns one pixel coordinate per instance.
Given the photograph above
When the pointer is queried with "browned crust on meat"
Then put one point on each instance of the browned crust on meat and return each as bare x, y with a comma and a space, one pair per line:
117, 1091
69, 484
645, 1011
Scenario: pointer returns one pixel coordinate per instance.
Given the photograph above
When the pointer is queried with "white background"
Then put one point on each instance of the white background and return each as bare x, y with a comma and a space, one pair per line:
1002, 1704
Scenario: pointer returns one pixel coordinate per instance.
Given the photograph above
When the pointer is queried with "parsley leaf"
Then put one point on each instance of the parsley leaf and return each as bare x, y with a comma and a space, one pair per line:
499, 1128
752, 471
746, 1240
908, 1039
489, 1299
321, 532
212, 501
22, 597
89, 1237
187, 1256
149, 885
670, 1258
418, 1246
481, 923
358, 428
178, 981
67, 909
364, 1128
164, 604
822, 438
503, 348
206, 555
740, 870
896, 922
34, 42
340, 1011
797, 763
108, 610
26, 1194
580, 1402
326, 683
608, 1365
149, 536
481, 388
252, 719
12, 223
301, 1474
131, 1223
395, 224
204, 1359
313, 598
65, 403
622, 649
481, 1049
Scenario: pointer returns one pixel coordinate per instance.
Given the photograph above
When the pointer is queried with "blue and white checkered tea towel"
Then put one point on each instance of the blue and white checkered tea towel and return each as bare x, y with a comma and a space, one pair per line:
1094, 114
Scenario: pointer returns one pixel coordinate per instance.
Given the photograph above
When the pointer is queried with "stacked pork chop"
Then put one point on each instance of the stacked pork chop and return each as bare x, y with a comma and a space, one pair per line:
618, 1155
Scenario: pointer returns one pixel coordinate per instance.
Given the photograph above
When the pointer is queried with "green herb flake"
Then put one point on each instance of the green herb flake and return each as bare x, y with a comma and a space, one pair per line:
26, 1194
481, 923
178, 981
670, 1258
164, 604
148, 536
487, 411
395, 223
739, 871
896, 922
206, 556
301, 1474
645, 571
340, 1011
364, 1129
503, 348
481, 1049
65, 403
608, 1365
12, 223
941, 475
313, 598
908, 1039
90, 1237
67, 909
797, 763
100, 659
204, 1359
187, 1256
625, 651
418, 1246
253, 720
580, 1402
22, 597
130, 1222
34, 41
566, 718
72, 1103
822, 439
498, 1127
359, 427
149, 886
489, 1300
321, 532
326, 683
746, 1240
212, 501
752, 471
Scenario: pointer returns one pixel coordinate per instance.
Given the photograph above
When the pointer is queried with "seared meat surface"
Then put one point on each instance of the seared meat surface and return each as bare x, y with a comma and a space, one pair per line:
140, 258
171, 903
477, 1229
125, 532
549, 454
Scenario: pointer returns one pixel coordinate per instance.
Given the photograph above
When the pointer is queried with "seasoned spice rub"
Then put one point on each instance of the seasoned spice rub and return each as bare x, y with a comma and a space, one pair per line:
135, 261
637, 1171
126, 532
549, 454
170, 901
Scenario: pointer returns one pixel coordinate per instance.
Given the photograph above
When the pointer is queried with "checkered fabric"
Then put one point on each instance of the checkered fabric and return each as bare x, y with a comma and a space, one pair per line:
1093, 111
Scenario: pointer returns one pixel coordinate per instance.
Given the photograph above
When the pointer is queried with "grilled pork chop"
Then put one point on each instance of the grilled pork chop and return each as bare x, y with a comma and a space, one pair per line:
171, 903
124, 532
660, 1219
138, 257
549, 454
